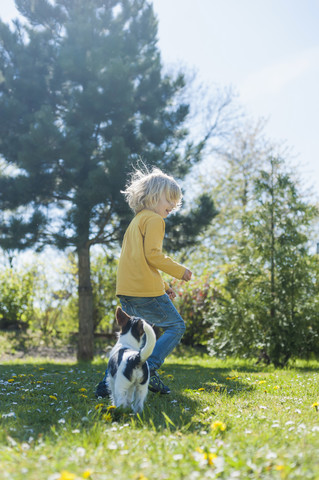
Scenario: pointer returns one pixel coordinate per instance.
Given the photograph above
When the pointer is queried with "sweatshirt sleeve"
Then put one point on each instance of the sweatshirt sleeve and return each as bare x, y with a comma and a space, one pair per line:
153, 242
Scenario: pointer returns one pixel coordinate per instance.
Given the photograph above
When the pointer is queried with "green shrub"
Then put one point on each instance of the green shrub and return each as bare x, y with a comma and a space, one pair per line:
193, 302
17, 292
103, 277
251, 321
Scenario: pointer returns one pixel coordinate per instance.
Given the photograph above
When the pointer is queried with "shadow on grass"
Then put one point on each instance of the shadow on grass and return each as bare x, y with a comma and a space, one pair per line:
196, 377
39, 399
45, 399
307, 367
195, 390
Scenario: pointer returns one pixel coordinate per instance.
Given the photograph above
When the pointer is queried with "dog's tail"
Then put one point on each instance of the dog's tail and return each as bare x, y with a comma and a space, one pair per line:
148, 348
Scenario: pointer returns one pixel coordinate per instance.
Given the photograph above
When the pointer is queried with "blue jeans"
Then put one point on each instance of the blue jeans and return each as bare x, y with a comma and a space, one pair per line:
161, 312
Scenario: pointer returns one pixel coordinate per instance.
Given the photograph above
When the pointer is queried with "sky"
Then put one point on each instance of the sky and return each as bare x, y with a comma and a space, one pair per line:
267, 50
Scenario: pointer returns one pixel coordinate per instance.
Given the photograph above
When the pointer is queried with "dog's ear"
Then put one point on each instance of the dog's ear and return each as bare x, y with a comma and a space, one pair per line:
121, 317
140, 327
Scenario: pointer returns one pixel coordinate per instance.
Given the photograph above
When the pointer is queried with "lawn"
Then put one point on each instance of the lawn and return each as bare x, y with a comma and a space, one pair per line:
224, 419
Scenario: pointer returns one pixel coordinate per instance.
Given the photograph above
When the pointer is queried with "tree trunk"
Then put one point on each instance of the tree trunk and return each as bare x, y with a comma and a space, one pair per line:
85, 342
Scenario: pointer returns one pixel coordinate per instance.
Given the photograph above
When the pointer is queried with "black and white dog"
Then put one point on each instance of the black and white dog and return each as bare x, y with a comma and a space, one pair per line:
128, 371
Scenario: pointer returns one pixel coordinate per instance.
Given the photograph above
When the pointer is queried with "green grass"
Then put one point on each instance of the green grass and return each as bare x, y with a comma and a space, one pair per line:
224, 419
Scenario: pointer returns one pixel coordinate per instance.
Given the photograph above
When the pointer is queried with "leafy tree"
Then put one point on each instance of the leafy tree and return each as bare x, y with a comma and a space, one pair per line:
82, 97
230, 182
56, 312
270, 302
17, 292
104, 267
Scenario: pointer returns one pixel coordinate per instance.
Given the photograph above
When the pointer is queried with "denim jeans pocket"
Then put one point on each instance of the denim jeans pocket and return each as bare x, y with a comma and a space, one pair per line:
125, 306
148, 308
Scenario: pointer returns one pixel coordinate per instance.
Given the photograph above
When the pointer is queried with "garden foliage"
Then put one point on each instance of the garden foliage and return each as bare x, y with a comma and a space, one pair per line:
193, 301
270, 306
17, 293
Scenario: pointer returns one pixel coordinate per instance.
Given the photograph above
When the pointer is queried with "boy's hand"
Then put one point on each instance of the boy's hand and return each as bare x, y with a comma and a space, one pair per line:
170, 292
187, 275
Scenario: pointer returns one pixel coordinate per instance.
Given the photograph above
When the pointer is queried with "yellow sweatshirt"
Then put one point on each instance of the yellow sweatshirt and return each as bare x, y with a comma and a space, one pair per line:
142, 257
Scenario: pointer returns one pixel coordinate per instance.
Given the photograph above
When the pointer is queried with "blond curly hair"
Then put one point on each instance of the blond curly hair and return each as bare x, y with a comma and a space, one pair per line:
145, 190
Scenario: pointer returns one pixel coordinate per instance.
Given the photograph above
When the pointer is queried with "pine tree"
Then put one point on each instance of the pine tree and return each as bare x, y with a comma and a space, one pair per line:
82, 98
270, 302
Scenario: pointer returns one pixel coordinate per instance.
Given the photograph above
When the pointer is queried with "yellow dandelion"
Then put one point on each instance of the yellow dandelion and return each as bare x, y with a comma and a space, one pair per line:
279, 467
218, 426
52, 397
11, 380
65, 475
261, 382
315, 405
210, 457
99, 406
87, 474
82, 390
171, 377
111, 407
201, 389
276, 387
140, 476
41, 368
83, 396
107, 417
74, 383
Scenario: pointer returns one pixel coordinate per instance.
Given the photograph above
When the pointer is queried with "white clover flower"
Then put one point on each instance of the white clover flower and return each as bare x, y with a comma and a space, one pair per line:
8, 415
271, 455
178, 456
112, 446
81, 451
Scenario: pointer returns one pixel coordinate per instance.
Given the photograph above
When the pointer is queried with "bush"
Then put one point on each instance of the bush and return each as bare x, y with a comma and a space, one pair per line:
103, 277
193, 302
249, 320
57, 312
17, 292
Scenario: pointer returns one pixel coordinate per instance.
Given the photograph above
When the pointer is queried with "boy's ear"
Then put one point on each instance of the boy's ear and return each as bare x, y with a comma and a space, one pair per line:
121, 317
